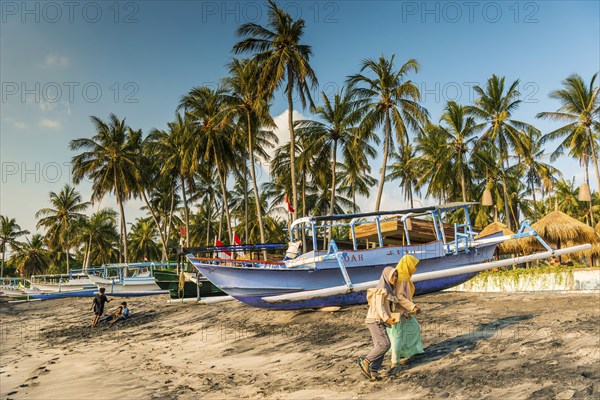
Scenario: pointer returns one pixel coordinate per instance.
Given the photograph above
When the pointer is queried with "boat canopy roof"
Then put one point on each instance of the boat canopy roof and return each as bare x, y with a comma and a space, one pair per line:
412, 211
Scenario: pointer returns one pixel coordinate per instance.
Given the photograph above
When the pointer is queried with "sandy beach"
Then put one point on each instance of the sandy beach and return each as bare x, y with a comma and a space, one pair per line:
536, 345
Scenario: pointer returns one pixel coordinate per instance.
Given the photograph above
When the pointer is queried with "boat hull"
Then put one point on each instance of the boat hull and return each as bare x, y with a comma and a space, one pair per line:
252, 285
134, 286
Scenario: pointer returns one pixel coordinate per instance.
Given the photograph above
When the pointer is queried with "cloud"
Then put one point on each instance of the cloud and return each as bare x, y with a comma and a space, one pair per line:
49, 123
16, 124
55, 60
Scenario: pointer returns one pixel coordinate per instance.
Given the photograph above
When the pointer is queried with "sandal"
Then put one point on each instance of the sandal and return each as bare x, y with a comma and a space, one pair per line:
363, 363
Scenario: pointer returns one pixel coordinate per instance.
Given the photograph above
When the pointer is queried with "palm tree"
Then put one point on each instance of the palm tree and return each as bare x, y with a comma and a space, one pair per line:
438, 174
460, 130
9, 232
98, 231
337, 129
355, 170
250, 103
212, 136
142, 240
531, 166
173, 150
392, 102
282, 58
67, 208
494, 107
32, 257
407, 169
580, 109
109, 160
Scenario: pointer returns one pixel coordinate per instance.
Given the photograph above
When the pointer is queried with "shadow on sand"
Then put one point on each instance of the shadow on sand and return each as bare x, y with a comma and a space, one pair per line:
466, 341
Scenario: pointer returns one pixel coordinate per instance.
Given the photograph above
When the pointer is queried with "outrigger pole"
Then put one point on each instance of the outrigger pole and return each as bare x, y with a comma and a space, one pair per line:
337, 290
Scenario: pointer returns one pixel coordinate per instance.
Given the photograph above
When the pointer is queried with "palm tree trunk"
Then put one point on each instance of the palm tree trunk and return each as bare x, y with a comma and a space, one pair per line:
587, 180
304, 211
462, 180
160, 232
386, 147
290, 88
170, 220
125, 257
208, 219
332, 202
595, 158
245, 202
186, 211
225, 205
505, 192
3, 253
255, 187
123, 231
535, 209
88, 253
353, 199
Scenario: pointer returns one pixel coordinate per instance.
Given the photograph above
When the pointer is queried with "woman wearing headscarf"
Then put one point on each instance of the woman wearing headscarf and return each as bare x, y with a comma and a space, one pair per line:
405, 336
379, 316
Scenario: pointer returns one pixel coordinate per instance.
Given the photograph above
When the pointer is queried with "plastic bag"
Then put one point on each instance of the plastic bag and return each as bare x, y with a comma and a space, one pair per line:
405, 338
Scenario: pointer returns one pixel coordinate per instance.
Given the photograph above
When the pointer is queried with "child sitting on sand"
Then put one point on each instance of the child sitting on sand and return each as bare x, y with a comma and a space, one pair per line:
121, 314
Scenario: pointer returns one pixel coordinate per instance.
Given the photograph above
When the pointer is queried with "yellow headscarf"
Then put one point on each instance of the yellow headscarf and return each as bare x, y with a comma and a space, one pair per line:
406, 267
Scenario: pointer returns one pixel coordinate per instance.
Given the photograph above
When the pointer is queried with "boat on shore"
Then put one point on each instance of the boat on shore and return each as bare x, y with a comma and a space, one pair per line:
193, 287
115, 279
348, 272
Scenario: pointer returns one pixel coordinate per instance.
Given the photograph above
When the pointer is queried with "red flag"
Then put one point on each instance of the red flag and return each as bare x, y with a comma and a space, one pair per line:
236, 239
287, 201
219, 244
182, 230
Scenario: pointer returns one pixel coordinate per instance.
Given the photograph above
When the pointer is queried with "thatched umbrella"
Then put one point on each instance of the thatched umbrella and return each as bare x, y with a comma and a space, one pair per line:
510, 246
558, 229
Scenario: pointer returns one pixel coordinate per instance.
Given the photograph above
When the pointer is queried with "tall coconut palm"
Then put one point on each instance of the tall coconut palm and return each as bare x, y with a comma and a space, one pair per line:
212, 133
66, 208
283, 59
531, 166
100, 227
9, 232
392, 102
437, 172
249, 102
173, 150
109, 160
494, 107
355, 170
142, 240
460, 130
32, 257
580, 109
407, 169
336, 130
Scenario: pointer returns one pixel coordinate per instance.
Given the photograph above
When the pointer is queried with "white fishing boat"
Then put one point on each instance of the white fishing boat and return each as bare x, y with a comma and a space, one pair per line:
335, 276
113, 278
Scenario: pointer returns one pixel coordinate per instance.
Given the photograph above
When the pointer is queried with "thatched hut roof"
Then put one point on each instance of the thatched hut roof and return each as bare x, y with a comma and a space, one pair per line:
559, 228
508, 247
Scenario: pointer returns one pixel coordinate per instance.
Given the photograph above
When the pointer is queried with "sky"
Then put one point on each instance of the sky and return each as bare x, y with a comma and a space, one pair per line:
62, 62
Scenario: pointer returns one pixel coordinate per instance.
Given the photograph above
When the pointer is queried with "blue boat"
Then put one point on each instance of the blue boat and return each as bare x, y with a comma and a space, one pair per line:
257, 282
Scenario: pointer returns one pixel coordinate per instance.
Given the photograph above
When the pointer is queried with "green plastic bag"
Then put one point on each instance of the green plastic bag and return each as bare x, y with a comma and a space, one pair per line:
405, 337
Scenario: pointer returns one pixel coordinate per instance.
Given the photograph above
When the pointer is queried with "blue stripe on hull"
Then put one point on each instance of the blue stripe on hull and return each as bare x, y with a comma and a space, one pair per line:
423, 287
